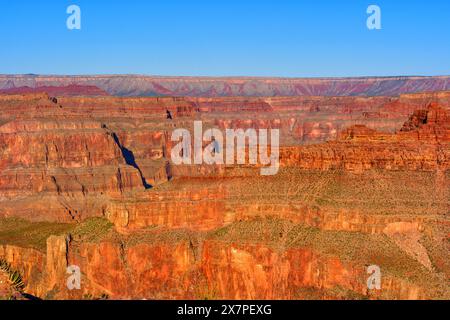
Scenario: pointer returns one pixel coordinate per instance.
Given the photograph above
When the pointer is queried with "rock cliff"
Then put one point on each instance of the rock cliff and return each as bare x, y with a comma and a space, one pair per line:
88, 181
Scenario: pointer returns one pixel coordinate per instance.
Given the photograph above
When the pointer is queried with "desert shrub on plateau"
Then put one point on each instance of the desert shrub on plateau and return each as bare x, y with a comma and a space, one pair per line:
14, 276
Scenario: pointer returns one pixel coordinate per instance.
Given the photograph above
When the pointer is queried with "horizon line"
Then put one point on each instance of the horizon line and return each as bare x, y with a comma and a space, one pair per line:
222, 77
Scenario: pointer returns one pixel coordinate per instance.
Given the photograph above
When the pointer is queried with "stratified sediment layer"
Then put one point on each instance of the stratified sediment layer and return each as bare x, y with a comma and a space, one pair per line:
139, 85
89, 181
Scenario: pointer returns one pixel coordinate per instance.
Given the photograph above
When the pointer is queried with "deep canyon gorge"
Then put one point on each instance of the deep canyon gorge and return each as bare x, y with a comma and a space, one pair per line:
364, 180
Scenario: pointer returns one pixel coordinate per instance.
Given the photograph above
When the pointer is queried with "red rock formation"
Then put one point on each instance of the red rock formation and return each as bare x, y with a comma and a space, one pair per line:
70, 90
81, 157
211, 269
422, 144
202, 209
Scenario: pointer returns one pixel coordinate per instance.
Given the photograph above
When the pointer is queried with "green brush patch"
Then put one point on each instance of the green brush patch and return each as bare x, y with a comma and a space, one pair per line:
22, 233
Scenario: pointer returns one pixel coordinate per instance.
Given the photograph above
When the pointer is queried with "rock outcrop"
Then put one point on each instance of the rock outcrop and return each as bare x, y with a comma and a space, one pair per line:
69, 90
88, 181
224, 264
137, 85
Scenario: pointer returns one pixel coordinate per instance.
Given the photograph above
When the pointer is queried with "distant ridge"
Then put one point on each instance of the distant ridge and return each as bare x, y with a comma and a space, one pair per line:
142, 85
70, 90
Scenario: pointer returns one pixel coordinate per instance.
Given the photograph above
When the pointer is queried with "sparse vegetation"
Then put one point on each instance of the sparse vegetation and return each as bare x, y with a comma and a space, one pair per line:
22, 233
14, 276
354, 248
89, 296
92, 230
34, 235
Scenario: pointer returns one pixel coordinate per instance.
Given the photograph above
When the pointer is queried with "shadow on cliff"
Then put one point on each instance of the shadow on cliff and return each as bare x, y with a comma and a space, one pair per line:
128, 155
30, 297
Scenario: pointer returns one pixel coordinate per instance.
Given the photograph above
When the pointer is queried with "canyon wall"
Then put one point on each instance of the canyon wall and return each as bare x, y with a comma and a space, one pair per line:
210, 269
137, 85
88, 181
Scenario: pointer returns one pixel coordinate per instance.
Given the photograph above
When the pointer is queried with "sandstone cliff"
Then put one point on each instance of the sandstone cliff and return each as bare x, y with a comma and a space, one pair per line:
88, 181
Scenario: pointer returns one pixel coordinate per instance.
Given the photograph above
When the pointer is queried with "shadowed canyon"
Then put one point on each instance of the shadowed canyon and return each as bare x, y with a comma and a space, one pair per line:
86, 179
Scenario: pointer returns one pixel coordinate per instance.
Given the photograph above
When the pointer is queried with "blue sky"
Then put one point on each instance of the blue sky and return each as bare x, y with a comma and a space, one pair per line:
290, 38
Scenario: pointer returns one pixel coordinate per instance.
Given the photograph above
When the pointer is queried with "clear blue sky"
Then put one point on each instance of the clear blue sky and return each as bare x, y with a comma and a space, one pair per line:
293, 38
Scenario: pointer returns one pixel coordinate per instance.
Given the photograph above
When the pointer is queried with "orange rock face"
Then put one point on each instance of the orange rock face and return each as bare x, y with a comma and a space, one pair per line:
88, 181
421, 144
213, 269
